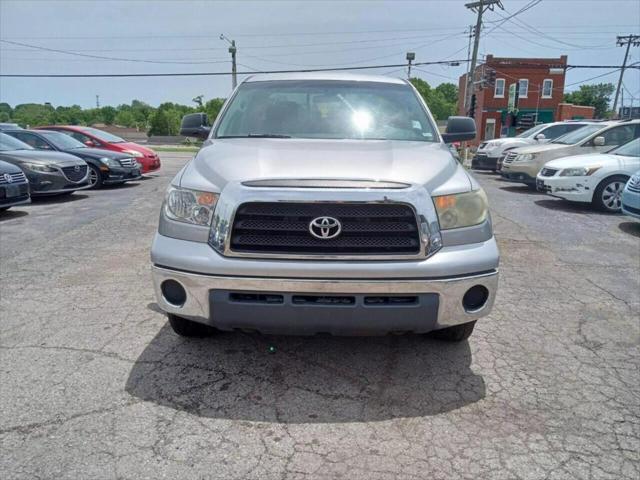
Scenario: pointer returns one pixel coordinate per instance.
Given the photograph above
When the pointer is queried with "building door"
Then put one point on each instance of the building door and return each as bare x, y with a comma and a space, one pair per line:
490, 129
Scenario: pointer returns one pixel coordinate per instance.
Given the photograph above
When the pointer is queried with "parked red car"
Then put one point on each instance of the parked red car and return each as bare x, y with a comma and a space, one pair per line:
92, 137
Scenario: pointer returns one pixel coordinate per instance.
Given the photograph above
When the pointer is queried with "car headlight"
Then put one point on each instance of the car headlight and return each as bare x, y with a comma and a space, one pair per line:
38, 167
462, 209
524, 157
134, 153
578, 171
110, 162
190, 206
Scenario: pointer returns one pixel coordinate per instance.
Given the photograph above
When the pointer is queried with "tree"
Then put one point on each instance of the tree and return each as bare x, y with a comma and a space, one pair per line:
441, 100
198, 100
598, 96
159, 123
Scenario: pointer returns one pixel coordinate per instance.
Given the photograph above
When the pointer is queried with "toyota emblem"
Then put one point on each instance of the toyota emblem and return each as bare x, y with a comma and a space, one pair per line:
325, 228
8, 178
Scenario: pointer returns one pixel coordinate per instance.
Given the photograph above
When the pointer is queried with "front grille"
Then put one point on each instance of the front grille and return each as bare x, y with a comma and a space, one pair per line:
510, 157
127, 162
75, 175
15, 178
634, 184
548, 172
283, 228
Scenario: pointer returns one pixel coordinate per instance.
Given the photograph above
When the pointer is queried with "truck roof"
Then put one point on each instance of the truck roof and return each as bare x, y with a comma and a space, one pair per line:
336, 76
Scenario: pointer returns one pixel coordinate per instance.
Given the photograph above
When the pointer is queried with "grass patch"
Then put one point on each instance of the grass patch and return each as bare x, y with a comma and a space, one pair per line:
161, 148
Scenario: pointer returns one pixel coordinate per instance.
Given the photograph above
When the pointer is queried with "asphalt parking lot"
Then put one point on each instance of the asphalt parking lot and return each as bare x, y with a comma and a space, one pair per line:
94, 384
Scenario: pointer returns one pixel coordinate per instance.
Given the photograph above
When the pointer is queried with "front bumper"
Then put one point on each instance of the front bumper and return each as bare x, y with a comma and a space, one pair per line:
53, 183
521, 172
149, 164
575, 189
438, 284
631, 203
14, 194
120, 175
482, 161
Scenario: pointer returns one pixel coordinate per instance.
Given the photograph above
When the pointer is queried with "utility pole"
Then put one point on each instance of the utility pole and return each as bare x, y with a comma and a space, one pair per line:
411, 56
466, 84
97, 101
232, 51
479, 7
621, 41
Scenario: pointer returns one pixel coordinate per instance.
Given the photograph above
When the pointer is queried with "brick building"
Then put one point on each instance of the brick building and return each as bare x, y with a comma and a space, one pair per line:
540, 84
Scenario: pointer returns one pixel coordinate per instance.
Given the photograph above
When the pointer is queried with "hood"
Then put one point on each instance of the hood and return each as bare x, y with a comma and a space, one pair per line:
589, 159
97, 153
147, 152
40, 156
540, 148
236, 160
6, 167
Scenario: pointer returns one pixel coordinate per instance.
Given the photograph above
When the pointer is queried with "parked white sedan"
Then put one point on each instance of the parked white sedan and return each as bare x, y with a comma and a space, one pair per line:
596, 178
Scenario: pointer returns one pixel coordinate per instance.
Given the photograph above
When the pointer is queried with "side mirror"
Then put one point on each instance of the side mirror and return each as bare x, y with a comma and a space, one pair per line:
540, 136
195, 125
598, 142
459, 129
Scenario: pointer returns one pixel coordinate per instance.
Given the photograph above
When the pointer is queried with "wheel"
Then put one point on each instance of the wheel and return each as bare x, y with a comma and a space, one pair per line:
95, 177
608, 194
455, 334
188, 328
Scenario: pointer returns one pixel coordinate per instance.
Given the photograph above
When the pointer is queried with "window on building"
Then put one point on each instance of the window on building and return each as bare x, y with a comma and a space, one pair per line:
547, 88
499, 90
524, 88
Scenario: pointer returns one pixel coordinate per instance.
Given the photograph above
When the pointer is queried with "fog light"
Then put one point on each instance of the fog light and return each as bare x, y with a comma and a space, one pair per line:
173, 293
475, 298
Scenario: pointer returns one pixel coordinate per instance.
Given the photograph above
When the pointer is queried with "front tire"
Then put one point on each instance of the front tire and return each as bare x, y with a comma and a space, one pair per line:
189, 328
457, 333
95, 177
608, 194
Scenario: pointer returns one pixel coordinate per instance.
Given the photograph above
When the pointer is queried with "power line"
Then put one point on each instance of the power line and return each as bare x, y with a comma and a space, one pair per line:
200, 74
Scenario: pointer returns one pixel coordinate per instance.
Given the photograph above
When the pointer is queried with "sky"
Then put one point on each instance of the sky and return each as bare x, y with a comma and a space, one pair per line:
183, 36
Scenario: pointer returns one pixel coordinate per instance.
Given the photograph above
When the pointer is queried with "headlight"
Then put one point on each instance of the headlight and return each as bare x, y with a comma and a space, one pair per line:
190, 206
134, 153
578, 172
110, 162
38, 167
524, 157
462, 210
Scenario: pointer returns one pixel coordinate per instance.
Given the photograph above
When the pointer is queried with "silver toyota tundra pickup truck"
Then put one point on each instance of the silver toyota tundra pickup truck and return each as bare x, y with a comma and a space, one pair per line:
325, 203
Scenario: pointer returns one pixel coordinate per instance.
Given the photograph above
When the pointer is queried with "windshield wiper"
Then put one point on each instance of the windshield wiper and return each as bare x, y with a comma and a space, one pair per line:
257, 135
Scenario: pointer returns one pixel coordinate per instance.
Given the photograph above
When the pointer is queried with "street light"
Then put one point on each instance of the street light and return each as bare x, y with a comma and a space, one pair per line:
411, 56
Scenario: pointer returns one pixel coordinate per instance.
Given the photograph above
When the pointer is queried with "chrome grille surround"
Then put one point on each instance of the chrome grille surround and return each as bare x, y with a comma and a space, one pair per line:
16, 179
235, 194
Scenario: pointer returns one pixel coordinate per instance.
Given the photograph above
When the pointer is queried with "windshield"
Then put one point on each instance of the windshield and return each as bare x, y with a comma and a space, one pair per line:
104, 136
326, 109
532, 131
62, 141
8, 143
578, 135
629, 149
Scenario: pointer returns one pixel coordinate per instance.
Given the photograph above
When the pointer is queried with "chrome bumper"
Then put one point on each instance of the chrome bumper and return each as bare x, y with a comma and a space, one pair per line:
449, 290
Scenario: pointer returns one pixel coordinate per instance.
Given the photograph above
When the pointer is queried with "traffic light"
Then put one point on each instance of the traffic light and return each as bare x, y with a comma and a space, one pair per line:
472, 107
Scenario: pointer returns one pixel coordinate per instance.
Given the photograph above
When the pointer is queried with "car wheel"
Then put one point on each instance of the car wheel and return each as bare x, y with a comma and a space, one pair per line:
95, 177
608, 194
454, 334
188, 328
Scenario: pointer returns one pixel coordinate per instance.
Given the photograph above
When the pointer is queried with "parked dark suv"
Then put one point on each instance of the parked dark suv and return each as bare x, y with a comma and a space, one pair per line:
14, 187
105, 167
49, 173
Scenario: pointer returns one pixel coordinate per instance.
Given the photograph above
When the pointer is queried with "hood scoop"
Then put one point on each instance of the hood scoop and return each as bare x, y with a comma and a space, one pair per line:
324, 183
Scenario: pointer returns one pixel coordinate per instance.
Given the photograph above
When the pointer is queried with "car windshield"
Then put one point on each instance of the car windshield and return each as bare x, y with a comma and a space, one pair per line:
104, 136
629, 149
8, 143
578, 135
532, 131
62, 141
326, 109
